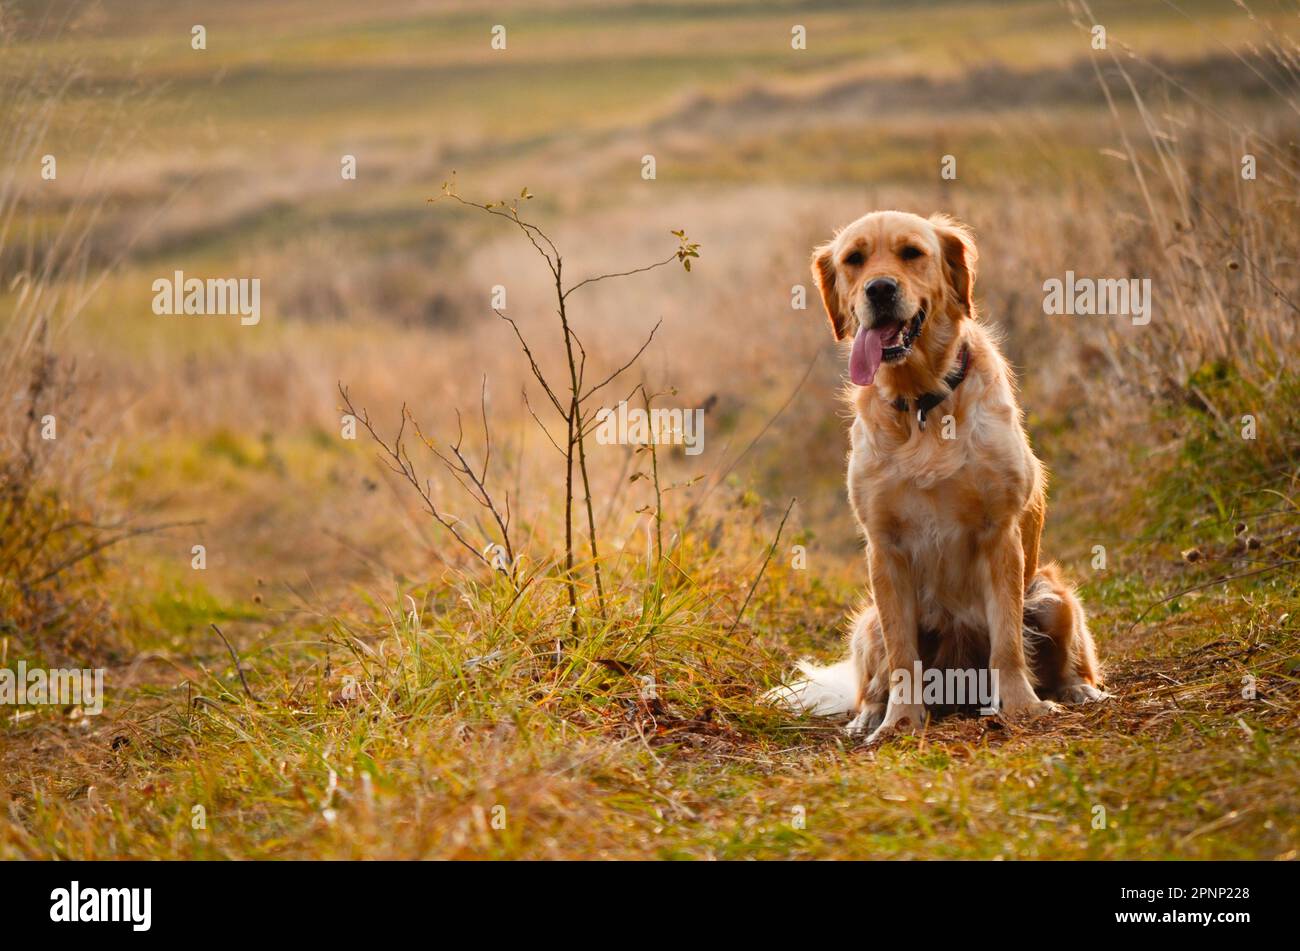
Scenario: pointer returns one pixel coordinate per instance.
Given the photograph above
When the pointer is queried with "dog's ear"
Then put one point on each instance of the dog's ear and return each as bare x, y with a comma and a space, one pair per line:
823, 269
959, 257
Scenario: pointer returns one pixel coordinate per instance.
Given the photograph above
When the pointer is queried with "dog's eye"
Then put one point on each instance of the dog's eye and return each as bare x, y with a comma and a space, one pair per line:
854, 259
910, 253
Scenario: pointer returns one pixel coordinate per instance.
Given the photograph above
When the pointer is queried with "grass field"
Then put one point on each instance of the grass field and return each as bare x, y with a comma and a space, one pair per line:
370, 689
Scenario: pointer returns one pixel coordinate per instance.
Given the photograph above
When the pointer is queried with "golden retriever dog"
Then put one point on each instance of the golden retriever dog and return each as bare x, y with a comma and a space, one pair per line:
945, 488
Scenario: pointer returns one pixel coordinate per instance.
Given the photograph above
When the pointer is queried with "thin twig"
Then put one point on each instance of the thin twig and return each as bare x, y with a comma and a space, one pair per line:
621, 370
235, 658
770, 552
637, 270
1210, 584
399, 461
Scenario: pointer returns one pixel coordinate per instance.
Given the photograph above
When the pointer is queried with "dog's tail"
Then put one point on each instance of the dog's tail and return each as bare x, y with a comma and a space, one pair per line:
822, 691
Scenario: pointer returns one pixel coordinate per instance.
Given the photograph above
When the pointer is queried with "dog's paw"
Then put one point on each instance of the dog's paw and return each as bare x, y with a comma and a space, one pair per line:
900, 718
1082, 693
1041, 709
867, 721
1031, 709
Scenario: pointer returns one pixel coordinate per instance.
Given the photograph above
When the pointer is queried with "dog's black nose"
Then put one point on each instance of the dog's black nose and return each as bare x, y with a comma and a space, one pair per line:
881, 291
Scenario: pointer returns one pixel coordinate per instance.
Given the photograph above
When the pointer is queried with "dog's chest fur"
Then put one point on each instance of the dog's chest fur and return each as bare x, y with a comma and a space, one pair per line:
937, 500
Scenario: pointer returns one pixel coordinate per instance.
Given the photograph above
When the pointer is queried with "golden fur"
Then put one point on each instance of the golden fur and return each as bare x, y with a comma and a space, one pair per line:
952, 512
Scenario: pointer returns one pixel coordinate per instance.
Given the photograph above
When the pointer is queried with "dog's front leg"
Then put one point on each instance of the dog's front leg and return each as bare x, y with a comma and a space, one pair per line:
895, 596
1004, 569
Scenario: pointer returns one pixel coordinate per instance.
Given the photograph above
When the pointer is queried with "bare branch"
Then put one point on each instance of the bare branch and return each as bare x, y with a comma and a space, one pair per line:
461, 470
537, 371
570, 406
540, 424
399, 460
627, 366
487, 433
530, 230
96, 547
636, 270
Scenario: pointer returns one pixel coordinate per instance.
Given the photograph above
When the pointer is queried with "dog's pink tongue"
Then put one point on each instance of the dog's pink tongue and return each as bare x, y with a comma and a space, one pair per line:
865, 359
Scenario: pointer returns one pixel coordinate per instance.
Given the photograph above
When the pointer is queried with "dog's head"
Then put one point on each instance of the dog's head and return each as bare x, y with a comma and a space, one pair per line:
900, 285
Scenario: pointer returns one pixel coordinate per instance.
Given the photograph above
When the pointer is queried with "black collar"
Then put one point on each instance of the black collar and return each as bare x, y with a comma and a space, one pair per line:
928, 401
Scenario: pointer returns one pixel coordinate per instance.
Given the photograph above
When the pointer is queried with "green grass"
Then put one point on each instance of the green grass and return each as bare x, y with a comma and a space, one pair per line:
445, 721
399, 730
